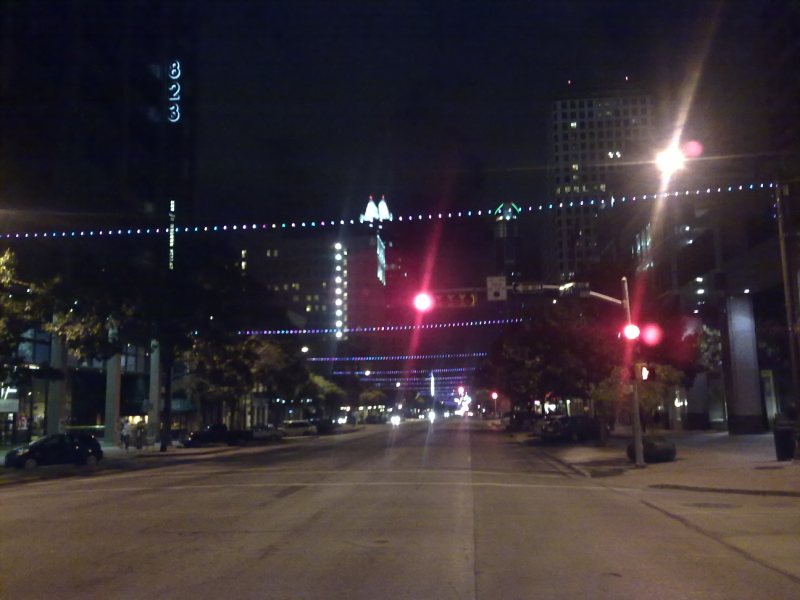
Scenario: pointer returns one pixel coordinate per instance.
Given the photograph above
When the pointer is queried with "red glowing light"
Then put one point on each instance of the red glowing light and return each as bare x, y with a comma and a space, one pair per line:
652, 334
631, 331
423, 302
692, 149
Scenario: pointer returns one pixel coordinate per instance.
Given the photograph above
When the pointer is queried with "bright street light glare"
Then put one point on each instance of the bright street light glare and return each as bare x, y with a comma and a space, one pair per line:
669, 161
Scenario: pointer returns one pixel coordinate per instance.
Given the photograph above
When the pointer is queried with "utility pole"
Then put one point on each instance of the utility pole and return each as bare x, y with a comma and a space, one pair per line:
788, 290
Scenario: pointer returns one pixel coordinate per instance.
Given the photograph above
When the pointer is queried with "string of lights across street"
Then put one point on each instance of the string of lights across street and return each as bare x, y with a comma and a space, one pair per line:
321, 224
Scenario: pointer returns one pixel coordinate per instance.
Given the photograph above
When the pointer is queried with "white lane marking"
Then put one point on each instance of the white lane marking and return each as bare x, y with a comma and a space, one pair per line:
185, 471
317, 484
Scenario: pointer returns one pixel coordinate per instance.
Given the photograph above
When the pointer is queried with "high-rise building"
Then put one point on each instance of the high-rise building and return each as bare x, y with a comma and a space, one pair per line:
97, 103
325, 282
96, 130
591, 135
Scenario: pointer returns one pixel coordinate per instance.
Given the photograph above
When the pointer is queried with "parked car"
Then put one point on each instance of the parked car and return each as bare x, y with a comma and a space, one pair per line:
326, 426
56, 449
211, 434
574, 428
258, 434
295, 428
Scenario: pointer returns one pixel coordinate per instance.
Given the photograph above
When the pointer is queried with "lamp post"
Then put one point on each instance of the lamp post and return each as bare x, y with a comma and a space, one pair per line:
631, 333
668, 161
636, 424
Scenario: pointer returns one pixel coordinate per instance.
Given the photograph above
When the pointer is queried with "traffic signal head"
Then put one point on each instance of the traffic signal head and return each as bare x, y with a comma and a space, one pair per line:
425, 301
652, 334
494, 395
644, 372
631, 331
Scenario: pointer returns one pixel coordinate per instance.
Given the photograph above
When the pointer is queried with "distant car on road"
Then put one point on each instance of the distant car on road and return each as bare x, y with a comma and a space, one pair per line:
298, 427
57, 449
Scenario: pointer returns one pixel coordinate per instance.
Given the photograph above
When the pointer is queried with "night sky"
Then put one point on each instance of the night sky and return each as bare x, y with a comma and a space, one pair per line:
306, 108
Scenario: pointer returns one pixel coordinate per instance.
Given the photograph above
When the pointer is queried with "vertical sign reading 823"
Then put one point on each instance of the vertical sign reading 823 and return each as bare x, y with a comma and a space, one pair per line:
174, 91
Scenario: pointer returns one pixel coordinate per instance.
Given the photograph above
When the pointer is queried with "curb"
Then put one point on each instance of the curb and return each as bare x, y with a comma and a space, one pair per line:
743, 492
572, 467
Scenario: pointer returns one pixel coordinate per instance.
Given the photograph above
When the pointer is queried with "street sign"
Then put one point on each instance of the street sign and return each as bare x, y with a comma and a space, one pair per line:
496, 289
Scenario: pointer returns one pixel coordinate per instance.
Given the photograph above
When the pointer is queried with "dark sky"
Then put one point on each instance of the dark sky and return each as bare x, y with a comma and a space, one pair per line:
306, 108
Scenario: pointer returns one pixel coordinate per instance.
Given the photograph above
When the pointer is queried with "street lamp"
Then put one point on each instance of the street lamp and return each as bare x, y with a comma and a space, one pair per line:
669, 161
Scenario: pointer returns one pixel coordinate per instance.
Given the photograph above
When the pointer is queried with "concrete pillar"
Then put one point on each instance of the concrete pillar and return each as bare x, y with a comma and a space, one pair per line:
57, 408
743, 390
697, 408
154, 393
113, 392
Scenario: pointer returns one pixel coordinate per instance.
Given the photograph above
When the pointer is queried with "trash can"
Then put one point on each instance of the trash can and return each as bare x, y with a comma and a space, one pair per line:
784, 441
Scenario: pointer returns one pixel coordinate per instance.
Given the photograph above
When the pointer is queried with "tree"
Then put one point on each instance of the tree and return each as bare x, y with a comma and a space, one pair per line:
607, 397
22, 308
660, 388
372, 397
222, 370
563, 349
323, 391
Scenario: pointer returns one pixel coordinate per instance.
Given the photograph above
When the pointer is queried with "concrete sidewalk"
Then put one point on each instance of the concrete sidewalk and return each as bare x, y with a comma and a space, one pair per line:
706, 461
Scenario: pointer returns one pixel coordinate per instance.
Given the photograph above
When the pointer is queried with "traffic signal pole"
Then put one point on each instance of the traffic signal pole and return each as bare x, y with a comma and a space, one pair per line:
636, 423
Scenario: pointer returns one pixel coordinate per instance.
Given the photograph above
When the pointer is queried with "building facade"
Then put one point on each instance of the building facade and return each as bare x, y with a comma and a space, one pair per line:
592, 135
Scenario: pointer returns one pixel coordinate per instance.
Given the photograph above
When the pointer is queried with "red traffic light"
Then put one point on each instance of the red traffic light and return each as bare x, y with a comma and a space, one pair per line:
423, 302
631, 331
652, 334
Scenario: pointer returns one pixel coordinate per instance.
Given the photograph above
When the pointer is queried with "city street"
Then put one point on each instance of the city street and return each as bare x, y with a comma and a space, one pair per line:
448, 510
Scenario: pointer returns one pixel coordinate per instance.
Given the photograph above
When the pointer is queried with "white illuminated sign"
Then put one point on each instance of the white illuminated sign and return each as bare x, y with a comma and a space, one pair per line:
381, 247
172, 235
174, 92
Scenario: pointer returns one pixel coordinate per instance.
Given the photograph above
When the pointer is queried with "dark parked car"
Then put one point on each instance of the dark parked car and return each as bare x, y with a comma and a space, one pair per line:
56, 449
211, 434
258, 434
575, 428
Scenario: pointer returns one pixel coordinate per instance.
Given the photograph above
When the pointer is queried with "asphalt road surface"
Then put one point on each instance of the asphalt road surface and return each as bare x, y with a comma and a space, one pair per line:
448, 510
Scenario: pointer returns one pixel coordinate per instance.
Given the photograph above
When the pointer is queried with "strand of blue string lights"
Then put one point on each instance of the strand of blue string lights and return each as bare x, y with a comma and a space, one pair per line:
405, 371
381, 328
317, 224
397, 357
417, 380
